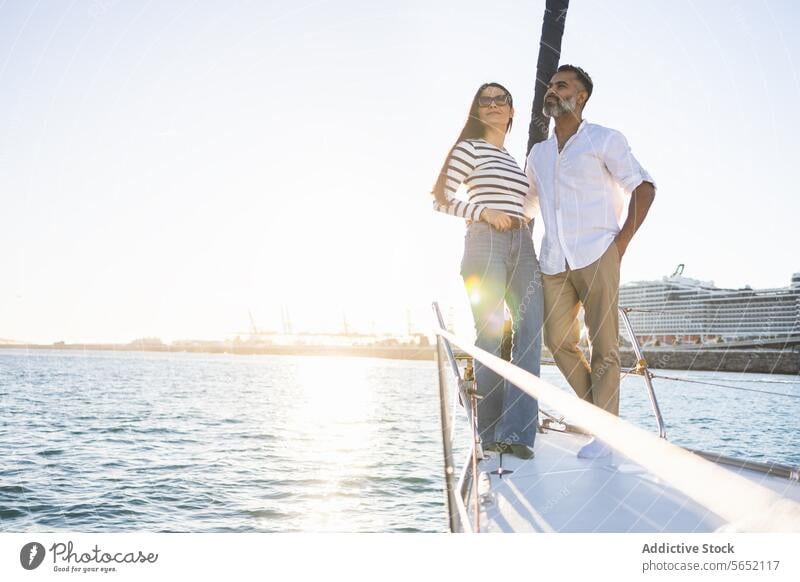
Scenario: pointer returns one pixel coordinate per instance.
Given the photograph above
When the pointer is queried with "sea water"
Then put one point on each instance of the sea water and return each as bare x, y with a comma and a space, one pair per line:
102, 441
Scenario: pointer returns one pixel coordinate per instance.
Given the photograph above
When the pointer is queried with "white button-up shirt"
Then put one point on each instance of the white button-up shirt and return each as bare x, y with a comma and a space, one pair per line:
582, 192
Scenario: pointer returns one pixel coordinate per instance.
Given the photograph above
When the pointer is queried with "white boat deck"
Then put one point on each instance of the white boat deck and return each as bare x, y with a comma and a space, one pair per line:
558, 492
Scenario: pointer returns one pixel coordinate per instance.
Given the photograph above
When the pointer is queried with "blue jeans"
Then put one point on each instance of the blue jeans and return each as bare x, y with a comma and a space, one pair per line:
501, 268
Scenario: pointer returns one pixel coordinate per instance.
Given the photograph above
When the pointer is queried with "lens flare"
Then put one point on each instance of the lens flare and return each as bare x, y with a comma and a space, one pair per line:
473, 289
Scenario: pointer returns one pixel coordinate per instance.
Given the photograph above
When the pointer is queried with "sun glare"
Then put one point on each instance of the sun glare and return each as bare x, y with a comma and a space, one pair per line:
333, 410
472, 289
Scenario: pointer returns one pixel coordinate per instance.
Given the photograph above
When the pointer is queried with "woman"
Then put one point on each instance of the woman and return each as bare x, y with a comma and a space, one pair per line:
499, 264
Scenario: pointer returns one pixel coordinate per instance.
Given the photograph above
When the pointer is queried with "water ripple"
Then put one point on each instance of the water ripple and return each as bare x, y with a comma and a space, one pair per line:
100, 441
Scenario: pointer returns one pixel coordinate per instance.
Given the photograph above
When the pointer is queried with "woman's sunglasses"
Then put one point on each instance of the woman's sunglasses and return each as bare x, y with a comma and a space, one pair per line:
485, 101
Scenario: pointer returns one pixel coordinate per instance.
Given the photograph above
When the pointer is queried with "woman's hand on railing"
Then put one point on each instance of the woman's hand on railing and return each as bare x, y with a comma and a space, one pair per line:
497, 218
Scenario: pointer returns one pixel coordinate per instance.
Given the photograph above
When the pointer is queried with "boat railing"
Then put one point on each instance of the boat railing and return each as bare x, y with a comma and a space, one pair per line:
719, 490
642, 370
466, 393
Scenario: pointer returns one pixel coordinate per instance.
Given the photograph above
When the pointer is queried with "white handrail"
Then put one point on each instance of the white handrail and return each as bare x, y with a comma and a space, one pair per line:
745, 505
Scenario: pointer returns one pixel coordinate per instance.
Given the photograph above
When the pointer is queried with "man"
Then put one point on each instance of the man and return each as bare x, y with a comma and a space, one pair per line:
581, 175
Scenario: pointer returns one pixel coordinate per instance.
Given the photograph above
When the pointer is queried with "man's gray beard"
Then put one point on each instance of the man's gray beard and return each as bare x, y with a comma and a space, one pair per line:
559, 107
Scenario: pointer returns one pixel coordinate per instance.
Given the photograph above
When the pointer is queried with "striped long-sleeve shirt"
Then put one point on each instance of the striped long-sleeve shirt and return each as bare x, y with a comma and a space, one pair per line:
493, 180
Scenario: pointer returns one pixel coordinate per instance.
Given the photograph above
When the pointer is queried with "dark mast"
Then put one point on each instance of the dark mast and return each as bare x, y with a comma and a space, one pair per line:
555, 15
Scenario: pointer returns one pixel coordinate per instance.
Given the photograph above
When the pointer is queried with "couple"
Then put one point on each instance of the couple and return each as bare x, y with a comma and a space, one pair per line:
578, 179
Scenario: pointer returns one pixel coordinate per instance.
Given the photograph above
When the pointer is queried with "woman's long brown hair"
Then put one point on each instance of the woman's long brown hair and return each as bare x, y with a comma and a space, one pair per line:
473, 129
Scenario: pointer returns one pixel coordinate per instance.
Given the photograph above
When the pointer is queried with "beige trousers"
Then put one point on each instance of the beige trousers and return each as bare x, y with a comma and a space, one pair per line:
596, 286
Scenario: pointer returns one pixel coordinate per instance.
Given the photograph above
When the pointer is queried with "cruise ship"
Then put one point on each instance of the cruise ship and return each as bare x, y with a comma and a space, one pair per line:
680, 309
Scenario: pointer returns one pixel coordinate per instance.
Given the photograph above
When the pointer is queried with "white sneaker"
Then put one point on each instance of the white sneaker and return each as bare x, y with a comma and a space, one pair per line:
594, 449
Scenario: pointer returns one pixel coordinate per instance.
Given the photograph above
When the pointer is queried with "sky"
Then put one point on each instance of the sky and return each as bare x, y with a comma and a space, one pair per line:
169, 168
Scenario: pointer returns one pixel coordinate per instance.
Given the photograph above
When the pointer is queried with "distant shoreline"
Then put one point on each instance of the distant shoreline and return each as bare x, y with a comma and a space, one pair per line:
391, 352
763, 361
